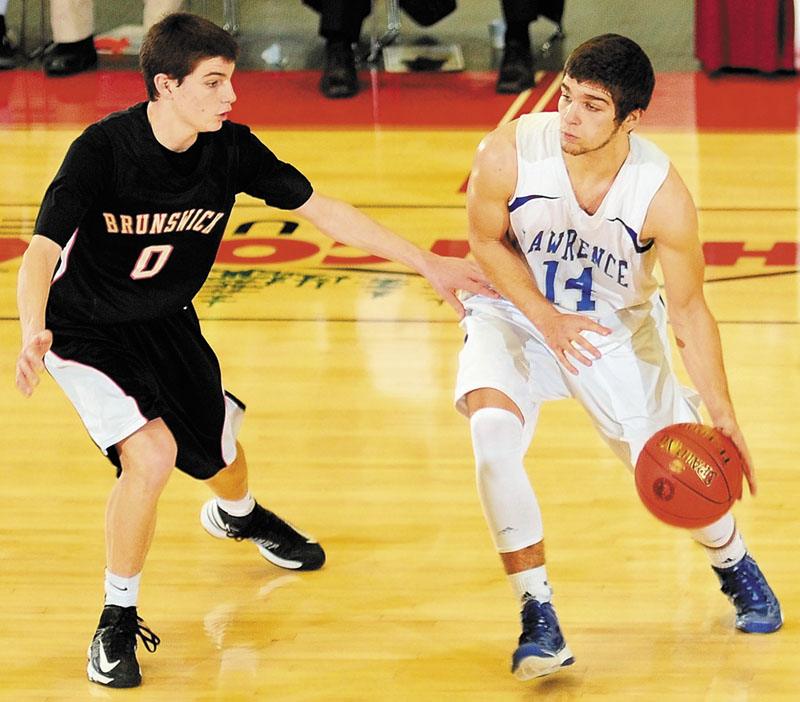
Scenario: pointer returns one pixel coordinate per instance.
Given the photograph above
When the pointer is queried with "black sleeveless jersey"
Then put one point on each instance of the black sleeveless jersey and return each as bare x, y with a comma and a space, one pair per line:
140, 226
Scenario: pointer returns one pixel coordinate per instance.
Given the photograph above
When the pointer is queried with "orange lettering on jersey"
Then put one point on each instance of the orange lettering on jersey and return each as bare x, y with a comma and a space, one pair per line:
157, 225
142, 222
184, 221
111, 223
211, 224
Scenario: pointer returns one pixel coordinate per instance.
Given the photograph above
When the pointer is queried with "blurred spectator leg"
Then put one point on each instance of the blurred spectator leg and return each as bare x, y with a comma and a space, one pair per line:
72, 23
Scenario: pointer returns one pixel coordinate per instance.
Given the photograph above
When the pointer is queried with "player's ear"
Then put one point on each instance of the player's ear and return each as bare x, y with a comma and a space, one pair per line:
164, 84
632, 120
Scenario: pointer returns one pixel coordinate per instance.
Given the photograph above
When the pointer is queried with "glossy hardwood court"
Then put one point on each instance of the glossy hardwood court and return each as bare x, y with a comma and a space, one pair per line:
347, 366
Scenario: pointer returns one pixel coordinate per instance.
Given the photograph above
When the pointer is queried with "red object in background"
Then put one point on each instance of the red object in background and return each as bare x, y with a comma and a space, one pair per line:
745, 34
111, 45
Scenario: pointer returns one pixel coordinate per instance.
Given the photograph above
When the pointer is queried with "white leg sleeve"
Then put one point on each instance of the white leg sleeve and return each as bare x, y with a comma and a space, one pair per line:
71, 20
715, 535
509, 503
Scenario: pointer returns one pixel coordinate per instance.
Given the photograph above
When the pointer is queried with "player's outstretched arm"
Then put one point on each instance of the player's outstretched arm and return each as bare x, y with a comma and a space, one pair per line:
491, 185
33, 288
350, 226
672, 222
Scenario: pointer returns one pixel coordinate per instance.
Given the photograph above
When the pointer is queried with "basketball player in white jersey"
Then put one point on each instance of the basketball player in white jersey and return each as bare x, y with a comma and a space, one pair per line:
568, 214
125, 238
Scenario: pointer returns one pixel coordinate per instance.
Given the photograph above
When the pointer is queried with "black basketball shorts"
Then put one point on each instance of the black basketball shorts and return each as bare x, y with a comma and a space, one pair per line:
118, 377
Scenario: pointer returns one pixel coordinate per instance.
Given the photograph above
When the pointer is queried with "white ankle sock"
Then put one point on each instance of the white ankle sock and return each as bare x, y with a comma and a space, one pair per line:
730, 554
722, 541
237, 508
531, 583
123, 592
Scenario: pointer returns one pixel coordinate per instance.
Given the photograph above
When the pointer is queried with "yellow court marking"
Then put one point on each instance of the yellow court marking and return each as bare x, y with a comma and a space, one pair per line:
548, 94
522, 98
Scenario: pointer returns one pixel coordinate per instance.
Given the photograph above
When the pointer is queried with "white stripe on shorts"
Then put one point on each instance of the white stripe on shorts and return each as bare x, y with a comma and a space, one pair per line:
108, 414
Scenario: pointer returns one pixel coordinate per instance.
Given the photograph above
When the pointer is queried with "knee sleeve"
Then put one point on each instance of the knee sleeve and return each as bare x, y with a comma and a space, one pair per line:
507, 498
715, 535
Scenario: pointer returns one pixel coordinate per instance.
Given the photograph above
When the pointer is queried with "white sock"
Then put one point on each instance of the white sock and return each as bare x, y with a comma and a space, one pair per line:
531, 584
123, 592
238, 508
729, 555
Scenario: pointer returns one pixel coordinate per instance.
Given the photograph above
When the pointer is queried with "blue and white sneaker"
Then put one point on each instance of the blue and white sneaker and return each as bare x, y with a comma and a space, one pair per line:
757, 609
542, 649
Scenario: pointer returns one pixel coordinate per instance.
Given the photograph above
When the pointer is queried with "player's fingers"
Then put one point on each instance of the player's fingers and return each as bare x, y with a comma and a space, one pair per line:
596, 327
562, 357
747, 460
751, 479
451, 299
481, 288
582, 343
26, 379
747, 469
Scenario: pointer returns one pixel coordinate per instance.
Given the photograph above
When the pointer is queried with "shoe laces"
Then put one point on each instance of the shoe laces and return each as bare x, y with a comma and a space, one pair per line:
266, 526
537, 617
150, 639
743, 583
132, 625
274, 527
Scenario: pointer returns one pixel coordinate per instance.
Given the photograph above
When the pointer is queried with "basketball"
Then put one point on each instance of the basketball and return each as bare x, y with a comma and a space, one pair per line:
689, 475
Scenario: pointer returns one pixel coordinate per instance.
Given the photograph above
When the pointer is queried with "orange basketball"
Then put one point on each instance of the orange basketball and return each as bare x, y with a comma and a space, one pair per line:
689, 475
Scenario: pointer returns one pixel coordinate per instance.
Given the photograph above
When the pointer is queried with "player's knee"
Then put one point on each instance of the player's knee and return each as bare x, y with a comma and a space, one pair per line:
496, 438
149, 457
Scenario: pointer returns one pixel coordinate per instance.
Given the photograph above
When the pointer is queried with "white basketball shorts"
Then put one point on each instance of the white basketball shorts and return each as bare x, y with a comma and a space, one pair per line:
629, 393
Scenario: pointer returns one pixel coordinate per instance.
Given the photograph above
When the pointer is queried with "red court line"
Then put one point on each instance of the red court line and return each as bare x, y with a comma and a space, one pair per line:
465, 100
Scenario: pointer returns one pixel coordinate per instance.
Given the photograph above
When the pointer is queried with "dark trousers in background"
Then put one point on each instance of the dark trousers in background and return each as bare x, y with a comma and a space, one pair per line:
527, 11
340, 20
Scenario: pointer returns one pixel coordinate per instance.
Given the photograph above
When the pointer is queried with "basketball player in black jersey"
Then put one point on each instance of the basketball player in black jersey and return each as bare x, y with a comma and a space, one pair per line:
126, 235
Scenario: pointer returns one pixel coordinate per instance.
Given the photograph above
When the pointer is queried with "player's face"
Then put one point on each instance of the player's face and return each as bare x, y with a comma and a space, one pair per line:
205, 97
587, 115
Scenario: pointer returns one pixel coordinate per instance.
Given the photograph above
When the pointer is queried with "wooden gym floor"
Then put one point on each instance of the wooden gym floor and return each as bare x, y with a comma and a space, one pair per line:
347, 367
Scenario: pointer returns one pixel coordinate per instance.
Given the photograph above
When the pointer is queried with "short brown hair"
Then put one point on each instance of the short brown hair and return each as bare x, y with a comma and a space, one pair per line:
619, 66
175, 45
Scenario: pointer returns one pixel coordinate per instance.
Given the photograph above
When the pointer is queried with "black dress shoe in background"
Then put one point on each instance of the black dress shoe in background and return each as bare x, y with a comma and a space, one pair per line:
7, 59
516, 69
69, 59
339, 77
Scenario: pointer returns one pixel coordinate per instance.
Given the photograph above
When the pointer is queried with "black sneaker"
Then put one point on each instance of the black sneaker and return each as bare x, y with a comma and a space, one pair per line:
112, 653
7, 58
278, 541
516, 69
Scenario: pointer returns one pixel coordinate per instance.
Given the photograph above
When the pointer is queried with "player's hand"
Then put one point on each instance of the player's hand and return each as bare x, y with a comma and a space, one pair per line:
448, 275
563, 334
731, 429
30, 363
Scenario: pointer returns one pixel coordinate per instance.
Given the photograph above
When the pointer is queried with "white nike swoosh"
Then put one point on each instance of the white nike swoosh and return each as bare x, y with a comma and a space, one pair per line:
105, 665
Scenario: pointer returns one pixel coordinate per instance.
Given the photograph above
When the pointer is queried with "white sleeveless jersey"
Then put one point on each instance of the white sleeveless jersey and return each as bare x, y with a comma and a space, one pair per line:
594, 264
